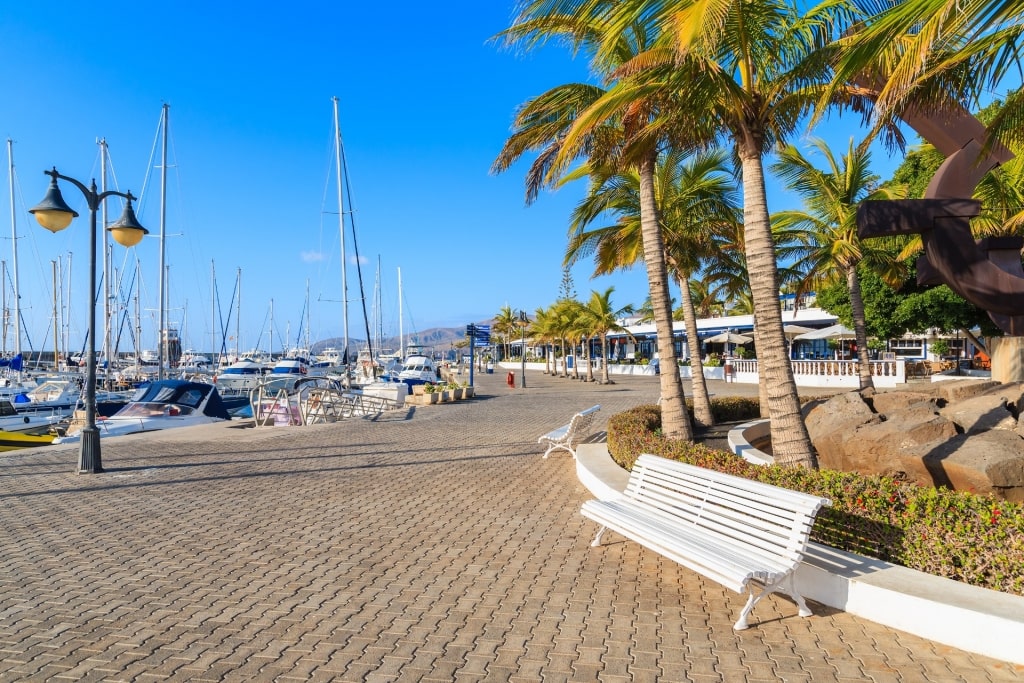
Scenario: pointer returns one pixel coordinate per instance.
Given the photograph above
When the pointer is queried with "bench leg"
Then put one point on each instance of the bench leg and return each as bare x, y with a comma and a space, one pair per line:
555, 446
597, 539
802, 609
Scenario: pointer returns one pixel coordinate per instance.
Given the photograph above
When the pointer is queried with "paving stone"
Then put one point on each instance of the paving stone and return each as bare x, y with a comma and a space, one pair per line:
434, 545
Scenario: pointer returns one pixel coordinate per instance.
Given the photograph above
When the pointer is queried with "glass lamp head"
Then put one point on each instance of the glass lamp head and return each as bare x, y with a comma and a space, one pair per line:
53, 213
126, 230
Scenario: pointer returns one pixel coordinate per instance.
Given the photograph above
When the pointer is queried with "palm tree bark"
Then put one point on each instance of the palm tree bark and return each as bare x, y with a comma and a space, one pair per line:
675, 421
702, 415
605, 379
859, 328
590, 364
791, 444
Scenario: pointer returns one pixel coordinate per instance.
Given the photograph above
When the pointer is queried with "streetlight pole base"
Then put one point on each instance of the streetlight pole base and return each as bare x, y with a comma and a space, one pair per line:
89, 461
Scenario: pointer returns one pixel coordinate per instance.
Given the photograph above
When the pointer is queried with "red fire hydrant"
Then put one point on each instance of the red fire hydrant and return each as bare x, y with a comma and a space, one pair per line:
510, 380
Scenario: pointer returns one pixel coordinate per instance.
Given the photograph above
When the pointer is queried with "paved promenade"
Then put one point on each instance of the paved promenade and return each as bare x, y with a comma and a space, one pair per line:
435, 545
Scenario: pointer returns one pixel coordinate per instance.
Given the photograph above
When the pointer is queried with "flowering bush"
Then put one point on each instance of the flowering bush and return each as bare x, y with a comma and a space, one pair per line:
963, 536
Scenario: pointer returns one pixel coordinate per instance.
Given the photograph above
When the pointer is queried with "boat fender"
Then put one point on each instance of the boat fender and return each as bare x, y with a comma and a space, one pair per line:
26, 419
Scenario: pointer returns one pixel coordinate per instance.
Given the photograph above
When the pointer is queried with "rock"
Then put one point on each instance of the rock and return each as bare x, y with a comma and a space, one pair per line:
987, 463
980, 414
887, 402
966, 435
829, 424
958, 390
893, 448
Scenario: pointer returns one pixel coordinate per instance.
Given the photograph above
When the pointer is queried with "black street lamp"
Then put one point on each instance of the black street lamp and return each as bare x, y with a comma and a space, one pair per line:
523, 322
54, 214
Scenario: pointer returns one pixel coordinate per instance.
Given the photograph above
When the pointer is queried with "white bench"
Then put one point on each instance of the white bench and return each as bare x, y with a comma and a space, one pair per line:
567, 436
732, 530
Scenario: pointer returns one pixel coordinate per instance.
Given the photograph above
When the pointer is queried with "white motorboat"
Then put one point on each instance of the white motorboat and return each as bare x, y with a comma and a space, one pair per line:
290, 366
416, 370
165, 404
239, 378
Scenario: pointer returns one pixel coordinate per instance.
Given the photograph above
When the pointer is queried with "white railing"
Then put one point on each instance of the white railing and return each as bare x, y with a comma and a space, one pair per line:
830, 373
806, 373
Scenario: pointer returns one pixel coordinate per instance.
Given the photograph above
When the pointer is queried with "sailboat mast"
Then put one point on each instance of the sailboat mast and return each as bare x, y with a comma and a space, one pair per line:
238, 316
162, 354
213, 314
106, 265
341, 228
14, 262
138, 322
401, 334
56, 328
3, 306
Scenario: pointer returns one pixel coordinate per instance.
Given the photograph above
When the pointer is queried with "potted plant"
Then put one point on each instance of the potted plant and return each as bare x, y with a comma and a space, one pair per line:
430, 391
467, 391
456, 391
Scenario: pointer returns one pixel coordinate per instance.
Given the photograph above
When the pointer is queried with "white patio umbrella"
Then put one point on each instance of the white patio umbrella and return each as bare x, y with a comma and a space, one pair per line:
793, 330
834, 332
728, 338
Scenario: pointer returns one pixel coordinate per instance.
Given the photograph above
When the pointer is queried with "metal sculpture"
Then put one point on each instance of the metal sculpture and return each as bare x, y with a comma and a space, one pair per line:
986, 272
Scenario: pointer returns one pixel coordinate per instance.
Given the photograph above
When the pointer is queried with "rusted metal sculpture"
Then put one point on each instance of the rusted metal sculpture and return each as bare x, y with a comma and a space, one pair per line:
985, 272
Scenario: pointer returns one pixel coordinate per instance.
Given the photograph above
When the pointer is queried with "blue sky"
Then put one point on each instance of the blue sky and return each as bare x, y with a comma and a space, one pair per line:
426, 102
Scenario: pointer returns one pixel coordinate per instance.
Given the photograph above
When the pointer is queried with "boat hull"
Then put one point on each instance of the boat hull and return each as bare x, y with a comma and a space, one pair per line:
14, 441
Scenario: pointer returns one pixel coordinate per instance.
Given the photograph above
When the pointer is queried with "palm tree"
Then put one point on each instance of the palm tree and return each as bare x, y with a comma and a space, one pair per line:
750, 71
542, 330
829, 222
603, 318
935, 56
694, 197
574, 121
503, 325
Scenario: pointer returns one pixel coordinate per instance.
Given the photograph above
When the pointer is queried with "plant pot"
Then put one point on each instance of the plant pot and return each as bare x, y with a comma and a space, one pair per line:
433, 397
457, 394
467, 392
418, 389
444, 396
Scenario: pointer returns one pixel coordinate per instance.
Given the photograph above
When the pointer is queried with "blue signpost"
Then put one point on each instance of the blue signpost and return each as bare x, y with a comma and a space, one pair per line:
476, 333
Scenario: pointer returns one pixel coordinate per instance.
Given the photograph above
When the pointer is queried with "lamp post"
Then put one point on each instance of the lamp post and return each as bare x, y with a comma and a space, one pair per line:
54, 214
523, 323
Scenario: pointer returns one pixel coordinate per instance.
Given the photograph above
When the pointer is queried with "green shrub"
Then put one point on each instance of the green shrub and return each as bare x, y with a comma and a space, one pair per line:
975, 539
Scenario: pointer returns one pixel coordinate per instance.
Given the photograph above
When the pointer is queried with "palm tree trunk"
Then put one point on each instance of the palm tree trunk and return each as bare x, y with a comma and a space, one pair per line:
590, 366
576, 364
605, 379
702, 414
791, 444
860, 328
675, 421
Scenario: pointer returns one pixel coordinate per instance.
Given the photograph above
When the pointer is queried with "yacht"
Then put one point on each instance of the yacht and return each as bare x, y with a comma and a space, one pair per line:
165, 404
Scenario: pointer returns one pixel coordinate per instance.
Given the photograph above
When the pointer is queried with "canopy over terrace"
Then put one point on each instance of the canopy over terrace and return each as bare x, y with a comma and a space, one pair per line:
816, 339
837, 331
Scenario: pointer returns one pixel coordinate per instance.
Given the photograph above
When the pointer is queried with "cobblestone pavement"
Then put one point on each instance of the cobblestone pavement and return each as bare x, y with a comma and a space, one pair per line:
435, 545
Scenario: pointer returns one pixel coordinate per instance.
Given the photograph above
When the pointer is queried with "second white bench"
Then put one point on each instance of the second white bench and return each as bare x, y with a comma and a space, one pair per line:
567, 436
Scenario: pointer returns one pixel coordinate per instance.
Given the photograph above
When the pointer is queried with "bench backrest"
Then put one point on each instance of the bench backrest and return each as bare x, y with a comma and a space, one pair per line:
770, 520
579, 425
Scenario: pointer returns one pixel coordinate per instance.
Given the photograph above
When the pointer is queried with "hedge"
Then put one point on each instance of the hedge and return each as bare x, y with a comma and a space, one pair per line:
963, 536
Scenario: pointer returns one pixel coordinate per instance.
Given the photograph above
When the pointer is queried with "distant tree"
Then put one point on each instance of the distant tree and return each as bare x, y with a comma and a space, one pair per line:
567, 288
828, 220
602, 317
